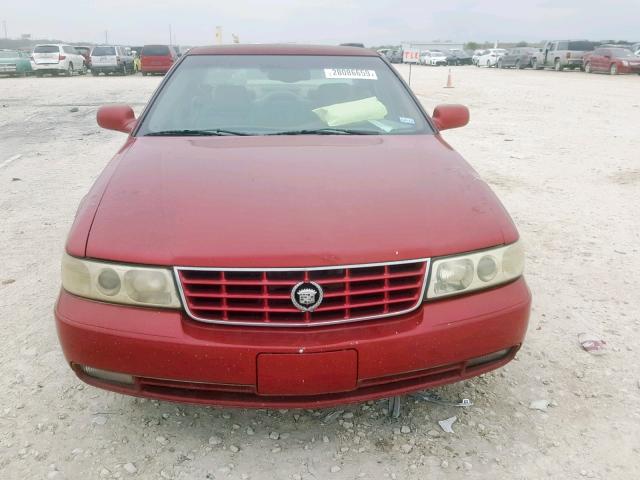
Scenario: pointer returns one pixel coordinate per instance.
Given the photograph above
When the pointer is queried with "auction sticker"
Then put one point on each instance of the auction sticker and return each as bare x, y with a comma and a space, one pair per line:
350, 73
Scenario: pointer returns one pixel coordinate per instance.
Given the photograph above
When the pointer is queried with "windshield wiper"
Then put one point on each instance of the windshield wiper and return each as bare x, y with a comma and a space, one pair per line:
194, 133
326, 131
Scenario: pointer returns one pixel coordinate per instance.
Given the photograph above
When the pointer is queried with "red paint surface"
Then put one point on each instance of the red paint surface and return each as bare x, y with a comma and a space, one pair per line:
292, 201
293, 374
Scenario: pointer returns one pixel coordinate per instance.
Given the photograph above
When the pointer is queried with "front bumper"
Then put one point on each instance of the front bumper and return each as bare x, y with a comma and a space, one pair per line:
175, 358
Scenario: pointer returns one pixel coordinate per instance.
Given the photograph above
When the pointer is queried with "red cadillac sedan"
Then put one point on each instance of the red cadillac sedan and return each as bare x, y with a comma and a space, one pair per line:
286, 227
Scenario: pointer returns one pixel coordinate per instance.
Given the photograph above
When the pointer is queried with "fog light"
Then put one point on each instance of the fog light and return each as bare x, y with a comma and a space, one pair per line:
107, 376
492, 357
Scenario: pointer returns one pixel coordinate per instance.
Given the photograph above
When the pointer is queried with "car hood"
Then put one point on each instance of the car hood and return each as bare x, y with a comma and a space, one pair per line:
291, 201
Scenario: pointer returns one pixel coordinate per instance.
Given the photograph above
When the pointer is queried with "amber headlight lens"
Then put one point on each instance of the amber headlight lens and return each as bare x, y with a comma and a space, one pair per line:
115, 283
475, 270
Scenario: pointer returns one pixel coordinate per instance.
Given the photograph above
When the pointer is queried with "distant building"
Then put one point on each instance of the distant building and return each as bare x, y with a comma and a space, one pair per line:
431, 46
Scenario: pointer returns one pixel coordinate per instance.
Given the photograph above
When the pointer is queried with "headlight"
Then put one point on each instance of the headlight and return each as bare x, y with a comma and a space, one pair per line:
114, 283
625, 63
474, 271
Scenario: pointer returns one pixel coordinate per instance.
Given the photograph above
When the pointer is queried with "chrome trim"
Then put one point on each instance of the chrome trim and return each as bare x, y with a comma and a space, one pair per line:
427, 262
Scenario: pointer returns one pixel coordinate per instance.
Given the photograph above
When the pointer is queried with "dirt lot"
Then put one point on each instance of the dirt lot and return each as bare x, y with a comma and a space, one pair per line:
560, 149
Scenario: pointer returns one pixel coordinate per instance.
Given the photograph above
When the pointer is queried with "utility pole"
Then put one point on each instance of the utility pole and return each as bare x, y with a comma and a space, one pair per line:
170, 36
4, 25
106, 37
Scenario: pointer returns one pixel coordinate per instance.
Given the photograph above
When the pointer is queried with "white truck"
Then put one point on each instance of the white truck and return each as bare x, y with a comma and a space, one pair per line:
561, 54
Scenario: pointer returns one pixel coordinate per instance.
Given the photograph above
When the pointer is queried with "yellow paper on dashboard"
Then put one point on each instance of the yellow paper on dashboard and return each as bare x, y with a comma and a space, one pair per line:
352, 112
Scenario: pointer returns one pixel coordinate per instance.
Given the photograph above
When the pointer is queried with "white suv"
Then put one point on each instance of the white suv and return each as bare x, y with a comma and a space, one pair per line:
111, 59
57, 59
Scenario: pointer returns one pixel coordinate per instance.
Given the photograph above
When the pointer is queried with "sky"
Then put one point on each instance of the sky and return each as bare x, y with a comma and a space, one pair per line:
372, 22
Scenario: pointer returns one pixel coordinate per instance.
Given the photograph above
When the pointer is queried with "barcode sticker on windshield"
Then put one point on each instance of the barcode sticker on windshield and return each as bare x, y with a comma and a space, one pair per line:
350, 73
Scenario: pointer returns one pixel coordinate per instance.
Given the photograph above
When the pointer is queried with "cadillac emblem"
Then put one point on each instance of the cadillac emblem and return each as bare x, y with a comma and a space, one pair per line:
307, 296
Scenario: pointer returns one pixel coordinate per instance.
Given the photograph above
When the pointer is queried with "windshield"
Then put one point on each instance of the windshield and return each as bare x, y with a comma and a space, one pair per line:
277, 94
580, 46
103, 51
622, 52
47, 49
9, 54
155, 51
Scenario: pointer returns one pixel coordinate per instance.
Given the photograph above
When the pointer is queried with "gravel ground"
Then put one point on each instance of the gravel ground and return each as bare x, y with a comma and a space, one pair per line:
560, 149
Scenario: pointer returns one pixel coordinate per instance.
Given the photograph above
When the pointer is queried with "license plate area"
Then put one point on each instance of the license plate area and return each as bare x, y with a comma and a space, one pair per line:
307, 373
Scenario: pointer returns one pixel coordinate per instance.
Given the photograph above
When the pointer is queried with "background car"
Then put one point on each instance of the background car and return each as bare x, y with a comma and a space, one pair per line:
14, 63
395, 56
86, 53
517, 58
613, 61
490, 57
561, 54
157, 59
111, 59
57, 59
433, 58
476, 55
457, 57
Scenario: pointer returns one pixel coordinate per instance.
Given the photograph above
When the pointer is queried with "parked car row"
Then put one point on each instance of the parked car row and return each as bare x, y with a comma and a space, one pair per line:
61, 59
565, 55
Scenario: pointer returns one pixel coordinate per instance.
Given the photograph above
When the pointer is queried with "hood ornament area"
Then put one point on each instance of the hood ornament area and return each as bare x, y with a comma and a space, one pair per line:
307, 296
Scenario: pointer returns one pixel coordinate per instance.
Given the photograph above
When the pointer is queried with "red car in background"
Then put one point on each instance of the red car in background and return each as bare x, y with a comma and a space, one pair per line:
612, 60
157, 59
285, 226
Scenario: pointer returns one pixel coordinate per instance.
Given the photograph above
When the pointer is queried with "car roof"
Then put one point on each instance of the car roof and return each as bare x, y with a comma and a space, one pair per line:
283, 49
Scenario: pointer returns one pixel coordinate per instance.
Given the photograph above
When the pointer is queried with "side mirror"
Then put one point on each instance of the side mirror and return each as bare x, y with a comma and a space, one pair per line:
116, 117
450, 116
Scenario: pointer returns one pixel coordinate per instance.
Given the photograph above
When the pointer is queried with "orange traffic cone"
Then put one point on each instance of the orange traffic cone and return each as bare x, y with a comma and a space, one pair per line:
449, 81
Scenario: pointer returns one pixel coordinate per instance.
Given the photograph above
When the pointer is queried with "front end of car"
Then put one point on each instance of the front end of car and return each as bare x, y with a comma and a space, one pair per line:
233, 337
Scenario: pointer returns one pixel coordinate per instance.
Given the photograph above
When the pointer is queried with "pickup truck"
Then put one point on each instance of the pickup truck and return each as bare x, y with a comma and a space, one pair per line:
561, 54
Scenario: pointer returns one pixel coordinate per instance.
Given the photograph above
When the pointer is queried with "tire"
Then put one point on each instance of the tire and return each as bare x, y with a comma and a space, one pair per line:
488, 63
500, 64
69, 72
95, 73
144, 74
613, 69
534, 63
557, 65
518, 66
587, 67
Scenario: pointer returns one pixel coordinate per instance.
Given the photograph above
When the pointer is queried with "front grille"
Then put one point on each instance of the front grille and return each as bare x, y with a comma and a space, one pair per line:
8, 67
262, 297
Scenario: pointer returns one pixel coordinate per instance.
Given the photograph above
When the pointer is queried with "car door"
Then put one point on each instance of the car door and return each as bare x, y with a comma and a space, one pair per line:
549, 54
597, 60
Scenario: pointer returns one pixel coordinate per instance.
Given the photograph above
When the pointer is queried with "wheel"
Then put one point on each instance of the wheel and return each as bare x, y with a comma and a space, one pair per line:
557, 66
534, 63
518, 66
587, 67
83, 70
488, 63
39, 74
69, 71
144, 74
500, 64
95, 73
613, 70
